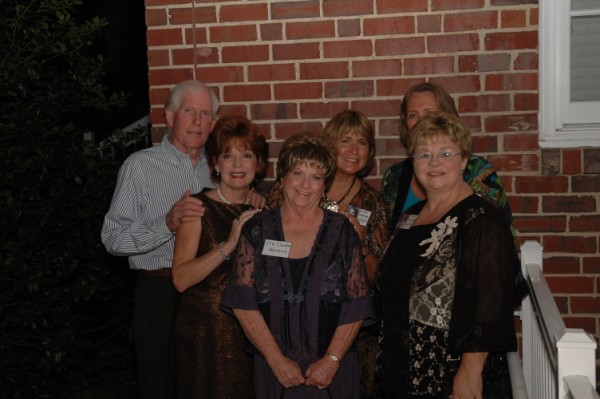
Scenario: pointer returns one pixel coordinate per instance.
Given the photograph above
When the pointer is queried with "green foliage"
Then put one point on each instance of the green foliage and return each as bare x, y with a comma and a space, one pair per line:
60, 302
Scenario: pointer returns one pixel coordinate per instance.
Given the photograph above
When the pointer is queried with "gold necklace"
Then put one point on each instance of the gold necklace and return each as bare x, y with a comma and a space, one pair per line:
335, 205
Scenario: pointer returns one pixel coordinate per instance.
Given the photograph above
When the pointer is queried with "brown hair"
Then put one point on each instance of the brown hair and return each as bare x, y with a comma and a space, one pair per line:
240, 132
441, 124
444, 101
350, 121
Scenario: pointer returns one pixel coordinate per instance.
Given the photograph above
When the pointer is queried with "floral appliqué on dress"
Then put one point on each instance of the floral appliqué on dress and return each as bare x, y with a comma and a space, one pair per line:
443, 229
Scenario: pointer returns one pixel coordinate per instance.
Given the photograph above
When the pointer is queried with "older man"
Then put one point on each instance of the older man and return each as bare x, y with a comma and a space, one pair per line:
151, 198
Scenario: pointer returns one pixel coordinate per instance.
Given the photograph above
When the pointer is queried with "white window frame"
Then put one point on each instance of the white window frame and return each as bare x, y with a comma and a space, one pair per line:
561, 123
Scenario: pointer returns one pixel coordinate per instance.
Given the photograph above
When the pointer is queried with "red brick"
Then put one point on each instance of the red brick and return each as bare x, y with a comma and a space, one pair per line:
511, 123
526, 61
429, 23
541, 184
485, 103
296, 91
562, 303
338, 8
515, 162
243, 54
588, 223
285, 130
377, 108
484, 144
295, 9
568, 204
571, 161
159, 77
395, 6
395, 87
428, 66
233, 33
399, 46
570, 244
470, 21
352, 88
452, 43
570, 285
279, 111
520, 142
233, 109
159, 95
218, 74
511, 81
271, 72
507, 183
473, 122
205, 55
322, 110
184, 16
156, 17
582, 184
389, 26
164, 37
591, 265
439, 5
295, 51
391, 147
550, 162
513, 18
534, 15
586, 323
591, 161
484, 62
347, 48
349, 27
253, 92
310, 29
585, 304
324, 70
526, 102
201, 35
459, 84
158, 57
539, 224
244, 12
270, 32
561, 265
511, 40
387, 67
389, 127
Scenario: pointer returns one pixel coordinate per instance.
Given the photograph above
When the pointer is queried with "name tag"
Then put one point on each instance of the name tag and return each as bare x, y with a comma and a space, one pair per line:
362, 215
280, 249
406, 221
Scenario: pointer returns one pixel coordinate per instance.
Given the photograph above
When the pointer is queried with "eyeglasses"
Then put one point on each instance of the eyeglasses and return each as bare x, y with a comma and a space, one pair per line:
443, 156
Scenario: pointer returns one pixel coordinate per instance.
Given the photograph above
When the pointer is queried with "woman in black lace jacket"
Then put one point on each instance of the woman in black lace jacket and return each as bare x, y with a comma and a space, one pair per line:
447, 280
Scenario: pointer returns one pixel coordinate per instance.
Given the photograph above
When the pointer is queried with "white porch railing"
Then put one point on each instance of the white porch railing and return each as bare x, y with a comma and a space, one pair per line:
558, 362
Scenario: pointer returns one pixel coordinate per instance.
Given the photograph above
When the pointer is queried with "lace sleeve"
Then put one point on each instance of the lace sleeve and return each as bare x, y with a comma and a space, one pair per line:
244, 264
377, 234
356, 283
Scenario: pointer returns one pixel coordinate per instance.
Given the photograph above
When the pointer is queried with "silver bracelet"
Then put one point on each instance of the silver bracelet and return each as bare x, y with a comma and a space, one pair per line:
225, 257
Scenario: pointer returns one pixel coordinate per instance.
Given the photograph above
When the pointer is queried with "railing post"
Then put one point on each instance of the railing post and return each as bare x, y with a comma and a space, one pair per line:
531, 253
576, 356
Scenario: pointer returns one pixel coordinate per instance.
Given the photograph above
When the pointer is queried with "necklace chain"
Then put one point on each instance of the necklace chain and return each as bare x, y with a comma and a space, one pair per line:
335, 205
225, 200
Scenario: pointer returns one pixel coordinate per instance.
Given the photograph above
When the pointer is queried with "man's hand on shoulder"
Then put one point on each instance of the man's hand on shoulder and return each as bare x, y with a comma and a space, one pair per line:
187, 208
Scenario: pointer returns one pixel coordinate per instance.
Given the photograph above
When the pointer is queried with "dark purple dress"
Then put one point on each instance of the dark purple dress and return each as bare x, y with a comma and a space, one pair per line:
331, 290
207, 358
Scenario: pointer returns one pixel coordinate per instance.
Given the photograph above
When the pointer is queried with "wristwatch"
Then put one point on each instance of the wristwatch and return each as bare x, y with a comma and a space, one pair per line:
333, 357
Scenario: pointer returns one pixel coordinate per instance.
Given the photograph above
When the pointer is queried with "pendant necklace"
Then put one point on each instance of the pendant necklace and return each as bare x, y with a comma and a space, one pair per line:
335, 205
225, 200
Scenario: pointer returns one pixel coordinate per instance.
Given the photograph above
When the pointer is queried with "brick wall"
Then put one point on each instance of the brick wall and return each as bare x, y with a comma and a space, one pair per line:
290, 65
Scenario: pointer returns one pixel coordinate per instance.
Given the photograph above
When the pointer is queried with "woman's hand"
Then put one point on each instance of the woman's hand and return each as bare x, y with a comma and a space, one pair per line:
287, 371
320, 373
468, 381
357, 227
236, 230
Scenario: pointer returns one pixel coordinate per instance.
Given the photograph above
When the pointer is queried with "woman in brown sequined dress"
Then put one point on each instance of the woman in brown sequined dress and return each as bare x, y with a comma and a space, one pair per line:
208, 360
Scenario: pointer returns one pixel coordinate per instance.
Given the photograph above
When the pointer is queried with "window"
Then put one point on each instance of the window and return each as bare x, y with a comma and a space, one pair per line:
569, 73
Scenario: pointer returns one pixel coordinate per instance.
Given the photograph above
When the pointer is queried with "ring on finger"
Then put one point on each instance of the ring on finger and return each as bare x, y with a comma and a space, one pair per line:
181, 219
320, 387
289, 385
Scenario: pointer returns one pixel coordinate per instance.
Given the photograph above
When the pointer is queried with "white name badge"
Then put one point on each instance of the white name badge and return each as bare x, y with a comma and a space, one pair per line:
406, 221
280, 249
362, 215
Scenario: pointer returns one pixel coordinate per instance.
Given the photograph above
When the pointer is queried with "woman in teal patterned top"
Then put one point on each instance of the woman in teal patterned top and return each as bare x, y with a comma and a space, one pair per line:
400, 189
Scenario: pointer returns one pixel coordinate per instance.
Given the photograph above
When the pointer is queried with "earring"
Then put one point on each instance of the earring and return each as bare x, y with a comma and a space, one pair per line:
218, 172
